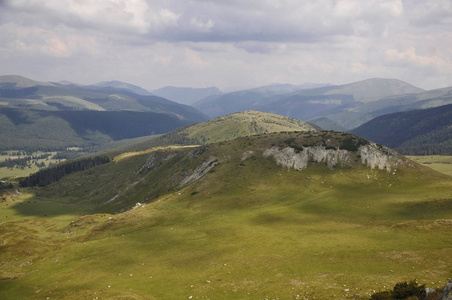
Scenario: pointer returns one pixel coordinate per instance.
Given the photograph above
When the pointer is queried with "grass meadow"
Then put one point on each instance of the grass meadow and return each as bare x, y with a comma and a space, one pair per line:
440, 163
247, 230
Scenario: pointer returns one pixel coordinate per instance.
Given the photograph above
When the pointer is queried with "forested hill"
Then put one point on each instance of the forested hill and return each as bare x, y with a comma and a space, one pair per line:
47, 116
416, 132
34, 130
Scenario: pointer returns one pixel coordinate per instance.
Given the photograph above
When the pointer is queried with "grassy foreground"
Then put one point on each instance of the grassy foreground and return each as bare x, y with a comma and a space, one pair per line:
247, 230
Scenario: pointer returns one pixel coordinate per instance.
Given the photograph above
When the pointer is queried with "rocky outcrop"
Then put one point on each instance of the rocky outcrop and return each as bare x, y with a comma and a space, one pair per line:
375, 156
371, 155
288, 157
447, 292
201, 170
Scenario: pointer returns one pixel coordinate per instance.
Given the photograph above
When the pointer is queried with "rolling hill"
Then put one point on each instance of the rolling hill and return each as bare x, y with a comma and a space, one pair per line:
51, 116
416, 132
279, 215
225, 128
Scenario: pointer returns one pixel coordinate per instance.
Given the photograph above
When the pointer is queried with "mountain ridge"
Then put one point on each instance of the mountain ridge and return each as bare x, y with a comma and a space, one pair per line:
414, 132
336, 102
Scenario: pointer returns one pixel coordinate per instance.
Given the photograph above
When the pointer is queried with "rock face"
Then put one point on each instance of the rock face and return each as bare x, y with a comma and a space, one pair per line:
379, 157
200, 171
447, 292
289, 158
372, 156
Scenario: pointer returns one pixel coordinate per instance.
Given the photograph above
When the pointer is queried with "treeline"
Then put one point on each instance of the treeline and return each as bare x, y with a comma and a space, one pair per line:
24, 161
417, 132
5, 185
55, 173
438, 142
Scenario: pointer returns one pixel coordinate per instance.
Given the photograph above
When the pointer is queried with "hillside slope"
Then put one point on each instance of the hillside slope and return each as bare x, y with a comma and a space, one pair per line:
281, 215
349, 105
49, 116
249, 99
416, 132
34, 130
355, 116
225, 128
186, 95
21, 92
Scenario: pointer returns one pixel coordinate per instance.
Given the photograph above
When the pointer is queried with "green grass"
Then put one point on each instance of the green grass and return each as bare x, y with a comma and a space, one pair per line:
30, 168
440, 163
247, 230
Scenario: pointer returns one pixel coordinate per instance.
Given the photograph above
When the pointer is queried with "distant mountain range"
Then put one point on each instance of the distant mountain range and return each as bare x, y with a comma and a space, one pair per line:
124, 86
348, 105
416, 132
186, 95
132, 111
197, 96
39, 115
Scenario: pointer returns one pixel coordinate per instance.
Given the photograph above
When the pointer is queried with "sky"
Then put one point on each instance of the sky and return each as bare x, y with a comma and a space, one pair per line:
227, 43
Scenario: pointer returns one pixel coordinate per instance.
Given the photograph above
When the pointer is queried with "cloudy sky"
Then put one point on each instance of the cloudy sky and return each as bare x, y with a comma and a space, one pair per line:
224, 43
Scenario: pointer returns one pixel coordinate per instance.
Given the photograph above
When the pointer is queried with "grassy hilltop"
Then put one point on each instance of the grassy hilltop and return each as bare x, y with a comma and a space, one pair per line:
229, 221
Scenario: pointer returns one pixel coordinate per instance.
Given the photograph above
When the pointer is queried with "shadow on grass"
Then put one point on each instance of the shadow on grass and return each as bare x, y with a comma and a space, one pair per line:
50, 208
430, 209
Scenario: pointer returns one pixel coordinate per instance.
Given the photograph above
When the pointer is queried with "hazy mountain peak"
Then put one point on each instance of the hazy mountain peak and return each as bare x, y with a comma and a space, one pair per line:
372, 89
186, 95
16, 81
124, 86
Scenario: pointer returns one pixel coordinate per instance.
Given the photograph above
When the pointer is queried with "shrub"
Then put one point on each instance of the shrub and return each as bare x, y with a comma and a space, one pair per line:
386, 295
402, 291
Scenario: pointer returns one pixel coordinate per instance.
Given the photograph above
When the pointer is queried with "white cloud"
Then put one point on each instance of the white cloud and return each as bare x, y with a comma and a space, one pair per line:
202, 26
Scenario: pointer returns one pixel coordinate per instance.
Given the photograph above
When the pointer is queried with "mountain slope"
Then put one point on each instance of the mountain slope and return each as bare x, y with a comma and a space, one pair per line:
225, 128
240, 219
74, 97
417, 132
186, 95
34, 130
124, 86
340, 103
349, 105
249, 99
374, 89
354, 116
38, 115
16, 81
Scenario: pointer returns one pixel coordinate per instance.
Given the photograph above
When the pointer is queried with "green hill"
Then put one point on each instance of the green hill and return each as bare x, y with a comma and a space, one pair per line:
280, 215
225, 128
416, 132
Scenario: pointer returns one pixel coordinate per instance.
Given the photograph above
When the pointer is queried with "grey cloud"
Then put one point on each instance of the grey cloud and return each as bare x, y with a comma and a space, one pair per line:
429, 13
316, 38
